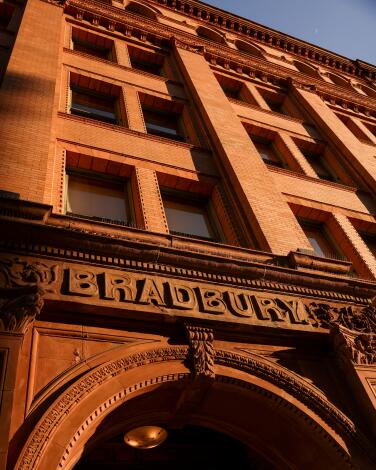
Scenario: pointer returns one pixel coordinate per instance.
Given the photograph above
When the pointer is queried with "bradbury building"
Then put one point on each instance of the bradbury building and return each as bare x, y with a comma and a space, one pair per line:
188, 240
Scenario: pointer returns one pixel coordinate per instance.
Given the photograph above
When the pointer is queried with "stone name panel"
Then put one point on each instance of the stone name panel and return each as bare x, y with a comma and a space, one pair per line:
167, 296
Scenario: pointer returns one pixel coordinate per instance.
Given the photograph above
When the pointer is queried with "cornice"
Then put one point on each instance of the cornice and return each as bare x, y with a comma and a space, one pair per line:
242, 64
248, 29
62, 237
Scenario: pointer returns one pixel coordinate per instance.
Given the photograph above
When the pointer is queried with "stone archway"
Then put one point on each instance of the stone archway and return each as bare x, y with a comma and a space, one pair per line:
231, 401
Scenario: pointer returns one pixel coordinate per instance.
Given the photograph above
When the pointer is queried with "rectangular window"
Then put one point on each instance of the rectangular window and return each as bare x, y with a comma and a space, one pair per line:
319, 240
163, 124
92, 44
146, 61
319, 164
95, 99
6, 13
98, 198
268, 152
189, 217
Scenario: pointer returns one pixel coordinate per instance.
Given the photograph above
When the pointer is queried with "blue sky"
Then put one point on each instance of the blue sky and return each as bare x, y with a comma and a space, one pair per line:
347, 27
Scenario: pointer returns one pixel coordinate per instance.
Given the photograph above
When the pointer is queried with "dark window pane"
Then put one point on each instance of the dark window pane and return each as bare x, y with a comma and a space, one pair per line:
268, 154
149, 67
93, 106
94, 198
163, 124
92, 49
317, 163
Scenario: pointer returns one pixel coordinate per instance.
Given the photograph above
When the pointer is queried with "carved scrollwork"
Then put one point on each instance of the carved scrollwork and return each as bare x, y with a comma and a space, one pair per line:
360, 349
201, 353
357, 319
22, 286
20, 273
18, 307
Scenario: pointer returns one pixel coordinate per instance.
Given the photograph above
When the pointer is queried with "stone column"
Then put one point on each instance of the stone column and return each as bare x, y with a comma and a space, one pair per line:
263, 209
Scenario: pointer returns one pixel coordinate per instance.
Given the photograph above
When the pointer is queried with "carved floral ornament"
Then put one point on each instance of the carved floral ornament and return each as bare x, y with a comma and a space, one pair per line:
22, 287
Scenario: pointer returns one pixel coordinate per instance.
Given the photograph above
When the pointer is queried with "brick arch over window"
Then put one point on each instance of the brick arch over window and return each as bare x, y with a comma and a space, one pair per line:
306, 69
142, 10
211, 34
248, 48
248, 393
338, 80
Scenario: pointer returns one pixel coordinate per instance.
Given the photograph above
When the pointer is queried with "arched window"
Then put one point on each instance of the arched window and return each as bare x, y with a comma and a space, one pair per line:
338, 80
368, 90
142, 10
211, 34
248, 48
306, 69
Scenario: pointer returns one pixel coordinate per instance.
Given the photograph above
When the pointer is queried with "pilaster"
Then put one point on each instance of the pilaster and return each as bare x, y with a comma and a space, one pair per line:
333, 129
148, 205
133, 109
262, 206
348, 238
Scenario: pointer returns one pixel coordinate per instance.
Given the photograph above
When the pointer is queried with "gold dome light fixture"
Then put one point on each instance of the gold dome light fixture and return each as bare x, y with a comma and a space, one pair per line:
145, 437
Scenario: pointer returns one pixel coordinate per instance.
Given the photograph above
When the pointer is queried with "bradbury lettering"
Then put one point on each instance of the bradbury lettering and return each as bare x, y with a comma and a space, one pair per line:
183, 297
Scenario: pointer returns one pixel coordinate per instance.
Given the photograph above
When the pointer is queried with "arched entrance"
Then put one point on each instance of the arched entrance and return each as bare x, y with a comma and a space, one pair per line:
278, 419
185, 448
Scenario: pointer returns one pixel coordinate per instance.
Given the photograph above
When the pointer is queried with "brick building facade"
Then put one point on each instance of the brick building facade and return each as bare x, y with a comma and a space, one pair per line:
188, 241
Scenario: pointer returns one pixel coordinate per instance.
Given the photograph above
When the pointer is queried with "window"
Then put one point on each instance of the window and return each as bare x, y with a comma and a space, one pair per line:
210, 34
163, 118
268, 152
94, 99
98, 197
92, 44
319, 240
188, 215
370, 241
146, 61
275, 101
319, 164
6, 13
93, 105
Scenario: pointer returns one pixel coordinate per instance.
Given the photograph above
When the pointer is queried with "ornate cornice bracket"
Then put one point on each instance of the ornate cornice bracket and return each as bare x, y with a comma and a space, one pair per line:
201, 351
178, 44
293, 83
358, 348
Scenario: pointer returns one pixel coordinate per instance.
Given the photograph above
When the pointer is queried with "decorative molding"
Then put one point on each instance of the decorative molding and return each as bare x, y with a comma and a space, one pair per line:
247, 29
178, 44
19, 307
358, 319
360, 349
201, 351
15, 272
299, 388
22, 286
